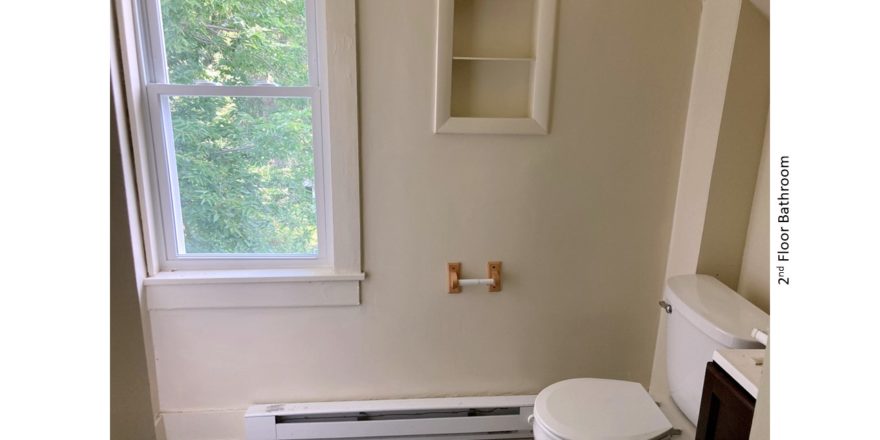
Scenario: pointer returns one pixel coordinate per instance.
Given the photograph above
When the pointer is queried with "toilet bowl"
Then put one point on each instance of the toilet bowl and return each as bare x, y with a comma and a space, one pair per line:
594, 409
704, 315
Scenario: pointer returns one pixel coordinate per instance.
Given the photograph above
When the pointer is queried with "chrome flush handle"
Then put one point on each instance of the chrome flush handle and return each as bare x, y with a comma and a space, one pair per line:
666, 306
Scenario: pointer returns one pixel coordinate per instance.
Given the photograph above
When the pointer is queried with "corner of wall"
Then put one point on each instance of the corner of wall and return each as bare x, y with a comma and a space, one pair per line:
712, 61
738, 151
754, 277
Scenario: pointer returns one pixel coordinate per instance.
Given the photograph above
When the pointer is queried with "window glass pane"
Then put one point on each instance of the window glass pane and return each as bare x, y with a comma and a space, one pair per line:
245, 169
236, 42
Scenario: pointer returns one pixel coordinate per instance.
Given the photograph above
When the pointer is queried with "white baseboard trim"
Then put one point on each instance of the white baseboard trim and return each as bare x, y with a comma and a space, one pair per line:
159, 428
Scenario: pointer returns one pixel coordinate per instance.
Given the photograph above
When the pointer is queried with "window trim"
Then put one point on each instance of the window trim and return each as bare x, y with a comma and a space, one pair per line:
168, 200
337, 77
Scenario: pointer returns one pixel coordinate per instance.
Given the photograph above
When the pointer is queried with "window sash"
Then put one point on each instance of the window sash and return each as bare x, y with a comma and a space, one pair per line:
163, 156
312, 92
169, 201
154, 54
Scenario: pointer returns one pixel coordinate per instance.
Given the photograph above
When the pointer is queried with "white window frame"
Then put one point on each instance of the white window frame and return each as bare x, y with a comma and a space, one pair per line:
332, 85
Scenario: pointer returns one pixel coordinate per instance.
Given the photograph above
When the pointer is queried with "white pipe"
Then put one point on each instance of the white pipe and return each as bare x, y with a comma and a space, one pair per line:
477, 282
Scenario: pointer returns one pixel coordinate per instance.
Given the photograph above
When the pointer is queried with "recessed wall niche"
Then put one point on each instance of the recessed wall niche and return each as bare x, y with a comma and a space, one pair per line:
494, 65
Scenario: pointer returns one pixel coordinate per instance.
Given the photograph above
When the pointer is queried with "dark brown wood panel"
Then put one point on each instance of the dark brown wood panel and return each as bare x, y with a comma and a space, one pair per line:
726, 408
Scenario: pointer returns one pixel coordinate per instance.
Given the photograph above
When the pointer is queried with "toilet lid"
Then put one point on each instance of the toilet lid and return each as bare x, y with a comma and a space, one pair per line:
594, 409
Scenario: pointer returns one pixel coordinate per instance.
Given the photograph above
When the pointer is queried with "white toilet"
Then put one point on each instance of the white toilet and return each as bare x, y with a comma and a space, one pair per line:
704, 315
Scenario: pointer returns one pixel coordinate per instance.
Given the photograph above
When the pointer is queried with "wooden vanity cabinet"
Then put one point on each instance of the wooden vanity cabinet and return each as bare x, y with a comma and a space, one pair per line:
726, 408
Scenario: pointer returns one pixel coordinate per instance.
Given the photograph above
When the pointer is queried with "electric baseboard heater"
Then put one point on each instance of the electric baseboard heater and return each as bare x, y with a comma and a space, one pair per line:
455, 418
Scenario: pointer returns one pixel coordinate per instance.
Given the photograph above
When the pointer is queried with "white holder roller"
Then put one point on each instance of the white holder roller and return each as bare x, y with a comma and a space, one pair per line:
456, 282
477, 282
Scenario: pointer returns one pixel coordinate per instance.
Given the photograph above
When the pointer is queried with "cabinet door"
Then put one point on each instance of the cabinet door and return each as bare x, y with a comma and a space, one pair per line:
726, 409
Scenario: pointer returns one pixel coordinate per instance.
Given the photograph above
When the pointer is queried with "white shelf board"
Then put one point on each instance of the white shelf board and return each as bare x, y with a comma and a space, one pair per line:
466, 125
491, 59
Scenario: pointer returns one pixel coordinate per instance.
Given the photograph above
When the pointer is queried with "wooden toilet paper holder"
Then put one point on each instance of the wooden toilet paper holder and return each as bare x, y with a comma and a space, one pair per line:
456, 281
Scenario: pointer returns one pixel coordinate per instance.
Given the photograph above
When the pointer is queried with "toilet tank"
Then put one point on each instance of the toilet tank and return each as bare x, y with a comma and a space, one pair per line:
706, 316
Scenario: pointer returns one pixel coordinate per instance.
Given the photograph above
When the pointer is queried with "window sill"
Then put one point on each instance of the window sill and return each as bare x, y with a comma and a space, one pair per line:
249, 276
231, 289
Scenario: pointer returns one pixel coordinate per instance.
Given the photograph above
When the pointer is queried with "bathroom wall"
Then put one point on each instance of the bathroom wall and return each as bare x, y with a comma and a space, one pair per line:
580, 218
738, 152
716, 43
132, 408
131, 414
754, 278
721, 217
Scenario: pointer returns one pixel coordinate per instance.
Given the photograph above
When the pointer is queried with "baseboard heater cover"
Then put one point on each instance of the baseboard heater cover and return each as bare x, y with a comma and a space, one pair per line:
448, 418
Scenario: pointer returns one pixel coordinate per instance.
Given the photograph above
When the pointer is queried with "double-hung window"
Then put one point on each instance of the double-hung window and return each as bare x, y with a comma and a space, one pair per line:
239, 157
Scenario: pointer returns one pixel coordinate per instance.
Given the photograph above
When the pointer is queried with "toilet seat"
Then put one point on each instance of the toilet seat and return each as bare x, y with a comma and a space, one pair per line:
598, 409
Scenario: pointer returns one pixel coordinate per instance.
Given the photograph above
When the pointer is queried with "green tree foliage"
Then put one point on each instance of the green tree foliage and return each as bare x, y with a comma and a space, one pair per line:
245, 165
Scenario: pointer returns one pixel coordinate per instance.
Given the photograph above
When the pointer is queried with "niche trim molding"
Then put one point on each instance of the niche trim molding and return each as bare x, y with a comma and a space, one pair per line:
482, 87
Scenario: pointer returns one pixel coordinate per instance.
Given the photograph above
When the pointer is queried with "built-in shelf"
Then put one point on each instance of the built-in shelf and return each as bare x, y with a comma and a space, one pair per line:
494, 65
497, 28
490, 89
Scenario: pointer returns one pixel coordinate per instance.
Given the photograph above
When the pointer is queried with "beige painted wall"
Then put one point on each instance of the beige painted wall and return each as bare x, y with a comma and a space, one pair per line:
132, 404
738, 153
719, 22
754, 278
711, 71
580, 218
131, 415
721, 207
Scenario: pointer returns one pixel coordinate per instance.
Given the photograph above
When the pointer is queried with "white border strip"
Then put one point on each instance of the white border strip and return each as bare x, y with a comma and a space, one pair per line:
245, 294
